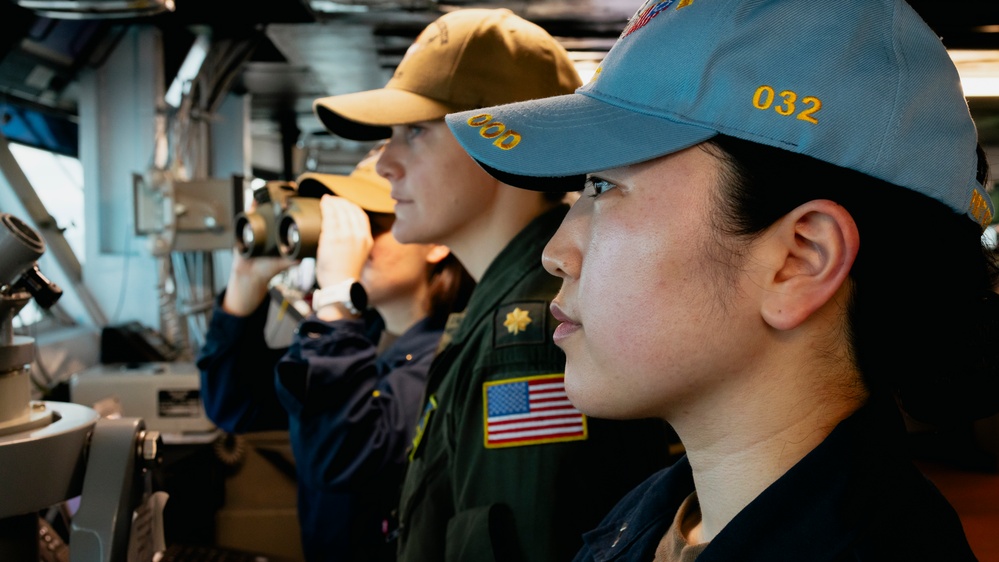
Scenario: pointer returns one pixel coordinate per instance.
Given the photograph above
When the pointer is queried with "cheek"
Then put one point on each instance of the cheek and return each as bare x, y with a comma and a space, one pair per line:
380, 259
457, 197
641, 312
396, 262
616, 304
623, 288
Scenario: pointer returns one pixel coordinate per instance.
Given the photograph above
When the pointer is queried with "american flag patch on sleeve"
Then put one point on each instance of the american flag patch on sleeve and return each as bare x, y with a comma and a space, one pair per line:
530, 411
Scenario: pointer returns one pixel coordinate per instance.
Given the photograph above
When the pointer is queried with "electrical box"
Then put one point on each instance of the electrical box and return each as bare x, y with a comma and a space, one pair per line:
167, 396
197, 213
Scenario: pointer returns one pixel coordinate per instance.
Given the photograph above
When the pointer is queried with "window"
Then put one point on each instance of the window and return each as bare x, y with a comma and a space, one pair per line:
58, 181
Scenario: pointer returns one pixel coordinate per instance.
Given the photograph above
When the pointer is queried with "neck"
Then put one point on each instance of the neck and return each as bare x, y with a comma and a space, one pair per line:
478, 244
740, 446
401, 314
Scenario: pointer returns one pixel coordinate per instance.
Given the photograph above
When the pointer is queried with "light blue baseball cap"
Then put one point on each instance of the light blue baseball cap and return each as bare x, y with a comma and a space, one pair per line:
862, 84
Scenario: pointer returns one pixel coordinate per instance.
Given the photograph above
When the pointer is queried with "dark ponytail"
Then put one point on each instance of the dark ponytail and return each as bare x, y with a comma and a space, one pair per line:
923, 321
449, 290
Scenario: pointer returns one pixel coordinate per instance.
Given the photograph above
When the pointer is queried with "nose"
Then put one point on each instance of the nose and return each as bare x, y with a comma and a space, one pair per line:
388, 164
562, 257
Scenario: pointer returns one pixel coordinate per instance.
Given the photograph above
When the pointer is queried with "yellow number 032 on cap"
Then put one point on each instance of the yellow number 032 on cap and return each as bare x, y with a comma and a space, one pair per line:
764, 99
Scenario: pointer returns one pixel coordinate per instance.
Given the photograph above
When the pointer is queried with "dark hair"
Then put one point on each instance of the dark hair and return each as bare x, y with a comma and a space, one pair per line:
449, 290
923, 320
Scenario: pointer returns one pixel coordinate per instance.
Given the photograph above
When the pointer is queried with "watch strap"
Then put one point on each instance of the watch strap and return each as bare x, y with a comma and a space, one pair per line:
346, 293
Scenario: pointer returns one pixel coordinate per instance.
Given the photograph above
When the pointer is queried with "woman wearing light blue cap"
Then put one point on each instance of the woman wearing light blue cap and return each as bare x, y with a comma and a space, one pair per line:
733, 267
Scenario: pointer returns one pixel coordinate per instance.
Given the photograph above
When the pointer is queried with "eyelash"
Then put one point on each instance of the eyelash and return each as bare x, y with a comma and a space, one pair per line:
596, 183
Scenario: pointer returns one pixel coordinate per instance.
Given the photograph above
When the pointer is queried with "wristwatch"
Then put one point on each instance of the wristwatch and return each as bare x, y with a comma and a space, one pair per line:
348, 293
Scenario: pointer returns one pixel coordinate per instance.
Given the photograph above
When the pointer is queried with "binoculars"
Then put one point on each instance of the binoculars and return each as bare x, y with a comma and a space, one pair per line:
282, 224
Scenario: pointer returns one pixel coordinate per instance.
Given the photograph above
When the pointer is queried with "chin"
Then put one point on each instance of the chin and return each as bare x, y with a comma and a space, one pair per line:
403, 236
583, 397
411, 234
586, 393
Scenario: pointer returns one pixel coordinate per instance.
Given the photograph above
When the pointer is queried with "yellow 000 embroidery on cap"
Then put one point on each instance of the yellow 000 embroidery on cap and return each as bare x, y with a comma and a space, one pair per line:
496, 131
980, 208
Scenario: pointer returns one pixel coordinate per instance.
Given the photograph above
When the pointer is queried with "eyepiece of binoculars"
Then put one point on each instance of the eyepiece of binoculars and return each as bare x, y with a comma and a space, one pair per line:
298, 228
281, 224
256, 234
293, 233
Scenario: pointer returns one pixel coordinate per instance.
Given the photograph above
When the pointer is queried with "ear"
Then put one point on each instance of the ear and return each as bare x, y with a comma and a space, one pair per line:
814, 247
437, 253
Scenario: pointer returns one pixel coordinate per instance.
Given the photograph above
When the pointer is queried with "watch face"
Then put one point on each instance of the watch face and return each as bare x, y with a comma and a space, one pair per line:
358, 296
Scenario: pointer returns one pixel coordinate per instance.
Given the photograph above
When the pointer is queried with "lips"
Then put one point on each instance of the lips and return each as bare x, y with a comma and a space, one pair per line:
567, 326
559, 314
398, 197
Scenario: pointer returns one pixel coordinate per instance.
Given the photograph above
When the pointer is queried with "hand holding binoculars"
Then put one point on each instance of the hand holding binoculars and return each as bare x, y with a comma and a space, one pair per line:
281, 224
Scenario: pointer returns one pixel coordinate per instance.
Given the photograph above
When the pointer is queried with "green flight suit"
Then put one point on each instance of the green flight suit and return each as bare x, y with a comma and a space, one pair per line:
529, 497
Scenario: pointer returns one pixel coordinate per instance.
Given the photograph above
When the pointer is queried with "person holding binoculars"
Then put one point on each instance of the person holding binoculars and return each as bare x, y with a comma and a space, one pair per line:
349, 387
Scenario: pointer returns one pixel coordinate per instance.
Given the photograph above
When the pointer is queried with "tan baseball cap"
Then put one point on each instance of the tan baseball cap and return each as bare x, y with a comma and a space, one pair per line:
363, 187
466, 59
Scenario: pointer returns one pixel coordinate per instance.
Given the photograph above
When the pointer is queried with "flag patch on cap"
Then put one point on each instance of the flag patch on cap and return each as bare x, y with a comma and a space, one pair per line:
530, 411
651, 9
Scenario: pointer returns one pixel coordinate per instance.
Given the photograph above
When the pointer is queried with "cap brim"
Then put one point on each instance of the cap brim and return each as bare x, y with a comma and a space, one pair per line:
367, 116
564, 137
363, 194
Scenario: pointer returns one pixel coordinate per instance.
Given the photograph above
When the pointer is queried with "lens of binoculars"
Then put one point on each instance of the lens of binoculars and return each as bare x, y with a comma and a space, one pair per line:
298, 228
256, 234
